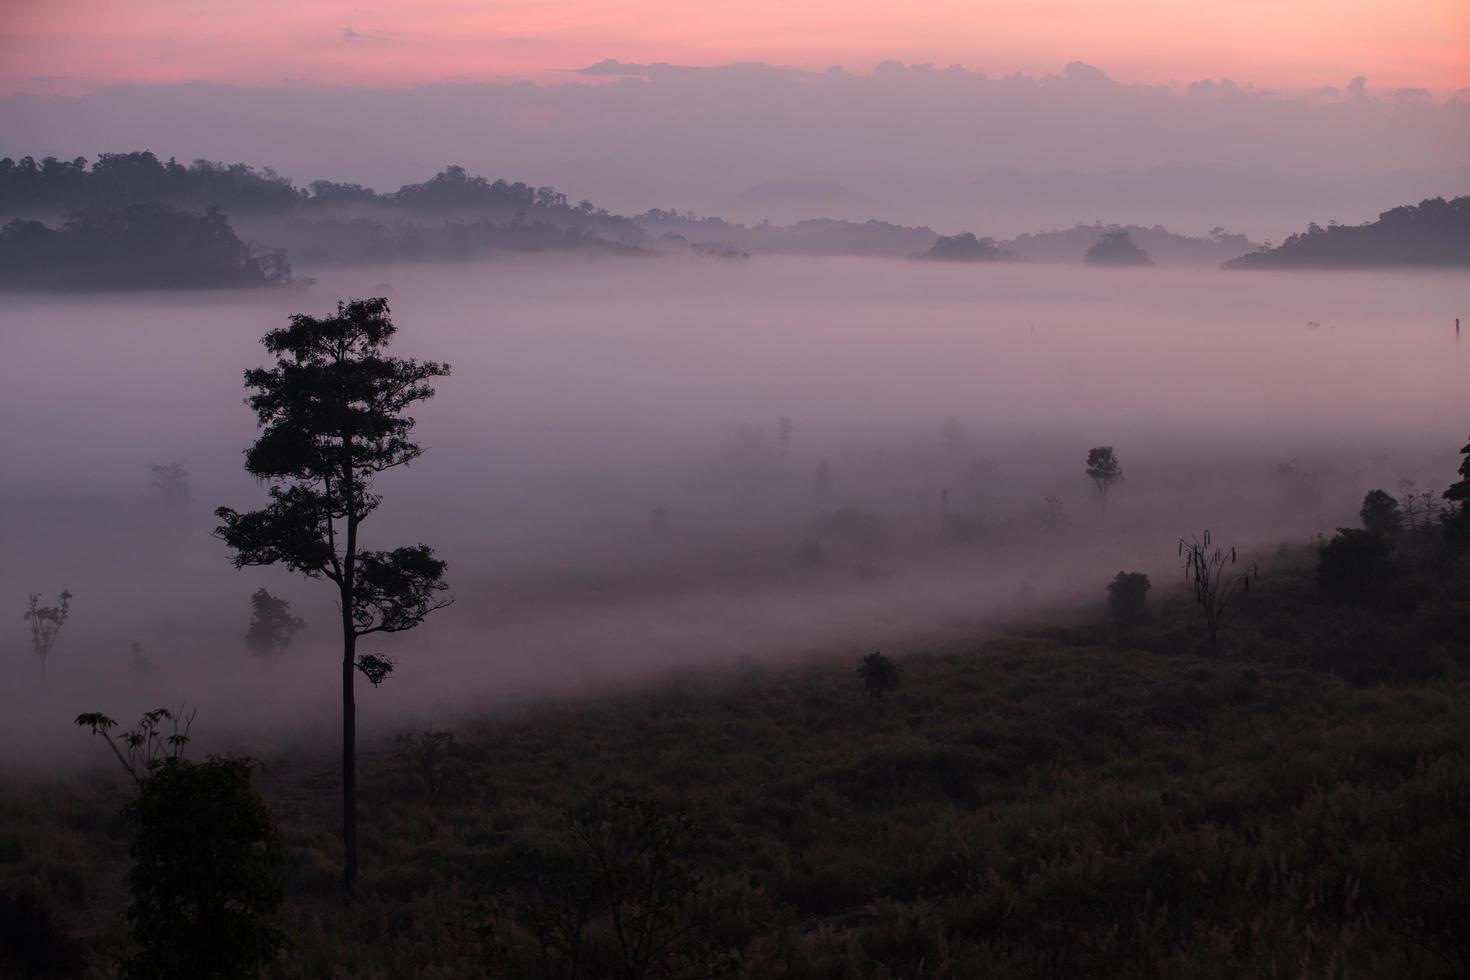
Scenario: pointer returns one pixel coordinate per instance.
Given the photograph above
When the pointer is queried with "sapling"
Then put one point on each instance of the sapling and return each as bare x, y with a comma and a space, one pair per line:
1210, 572
46, 623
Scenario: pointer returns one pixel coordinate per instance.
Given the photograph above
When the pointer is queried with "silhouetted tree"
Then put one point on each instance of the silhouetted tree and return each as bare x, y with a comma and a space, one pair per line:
332, 414
272, 626
1380, 514
1104, 470
879, 675
1208, 568
784, 430
46, 623
1457, 521
1128, 597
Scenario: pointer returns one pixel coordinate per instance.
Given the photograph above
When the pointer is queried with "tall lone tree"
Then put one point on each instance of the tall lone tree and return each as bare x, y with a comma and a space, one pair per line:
332, 417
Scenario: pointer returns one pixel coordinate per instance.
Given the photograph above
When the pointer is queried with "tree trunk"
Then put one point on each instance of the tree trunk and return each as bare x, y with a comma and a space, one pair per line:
349, 751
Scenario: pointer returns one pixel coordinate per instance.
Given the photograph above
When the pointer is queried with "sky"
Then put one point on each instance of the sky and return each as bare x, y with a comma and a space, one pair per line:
74, 46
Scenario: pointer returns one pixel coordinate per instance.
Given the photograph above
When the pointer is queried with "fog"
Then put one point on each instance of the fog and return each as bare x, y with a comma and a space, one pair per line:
947, 403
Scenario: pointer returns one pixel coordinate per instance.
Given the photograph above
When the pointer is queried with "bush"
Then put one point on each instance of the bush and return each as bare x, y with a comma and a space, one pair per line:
879, 674
1128, 597
1354, 566
617, 896
32, 942
202, 887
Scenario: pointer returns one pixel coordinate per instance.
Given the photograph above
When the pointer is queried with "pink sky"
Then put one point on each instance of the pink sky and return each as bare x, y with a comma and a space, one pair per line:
75, 45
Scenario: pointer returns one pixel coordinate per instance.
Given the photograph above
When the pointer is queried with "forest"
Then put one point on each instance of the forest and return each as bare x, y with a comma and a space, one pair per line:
1433, 233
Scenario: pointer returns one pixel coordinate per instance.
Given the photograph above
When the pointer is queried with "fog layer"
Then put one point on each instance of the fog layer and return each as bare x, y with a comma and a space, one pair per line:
933, 410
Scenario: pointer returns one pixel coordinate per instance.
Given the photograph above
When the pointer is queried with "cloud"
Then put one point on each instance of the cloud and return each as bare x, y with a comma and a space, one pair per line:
352, 35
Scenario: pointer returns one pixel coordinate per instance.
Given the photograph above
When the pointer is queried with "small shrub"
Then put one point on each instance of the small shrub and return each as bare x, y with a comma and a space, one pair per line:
879, 674
1128, 597
432, 752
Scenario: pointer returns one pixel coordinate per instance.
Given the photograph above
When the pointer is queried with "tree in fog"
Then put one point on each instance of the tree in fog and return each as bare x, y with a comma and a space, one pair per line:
1381, 514
784, 428
171, 480
332, 416
1104, 470
272, 626
1053, 514
45, 623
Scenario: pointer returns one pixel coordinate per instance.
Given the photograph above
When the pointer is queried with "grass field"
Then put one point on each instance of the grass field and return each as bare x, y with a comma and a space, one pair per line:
1072, 799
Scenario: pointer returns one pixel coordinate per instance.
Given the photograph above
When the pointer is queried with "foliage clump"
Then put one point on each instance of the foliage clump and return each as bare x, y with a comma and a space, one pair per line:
202, 891
879, 674
1381, 514
1355, 566
1128, 598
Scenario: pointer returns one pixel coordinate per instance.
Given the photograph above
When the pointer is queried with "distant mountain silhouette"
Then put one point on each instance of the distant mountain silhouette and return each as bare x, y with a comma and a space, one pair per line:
1434, 232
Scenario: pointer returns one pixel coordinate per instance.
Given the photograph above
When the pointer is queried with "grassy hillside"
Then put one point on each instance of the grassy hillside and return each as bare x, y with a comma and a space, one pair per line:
1068, 800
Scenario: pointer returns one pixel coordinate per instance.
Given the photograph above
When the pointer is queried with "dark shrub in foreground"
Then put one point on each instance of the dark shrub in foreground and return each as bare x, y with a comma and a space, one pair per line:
203, 886
1354, 566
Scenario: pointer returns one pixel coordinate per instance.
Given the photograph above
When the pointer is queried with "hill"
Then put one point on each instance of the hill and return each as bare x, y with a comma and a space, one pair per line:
1432, 233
